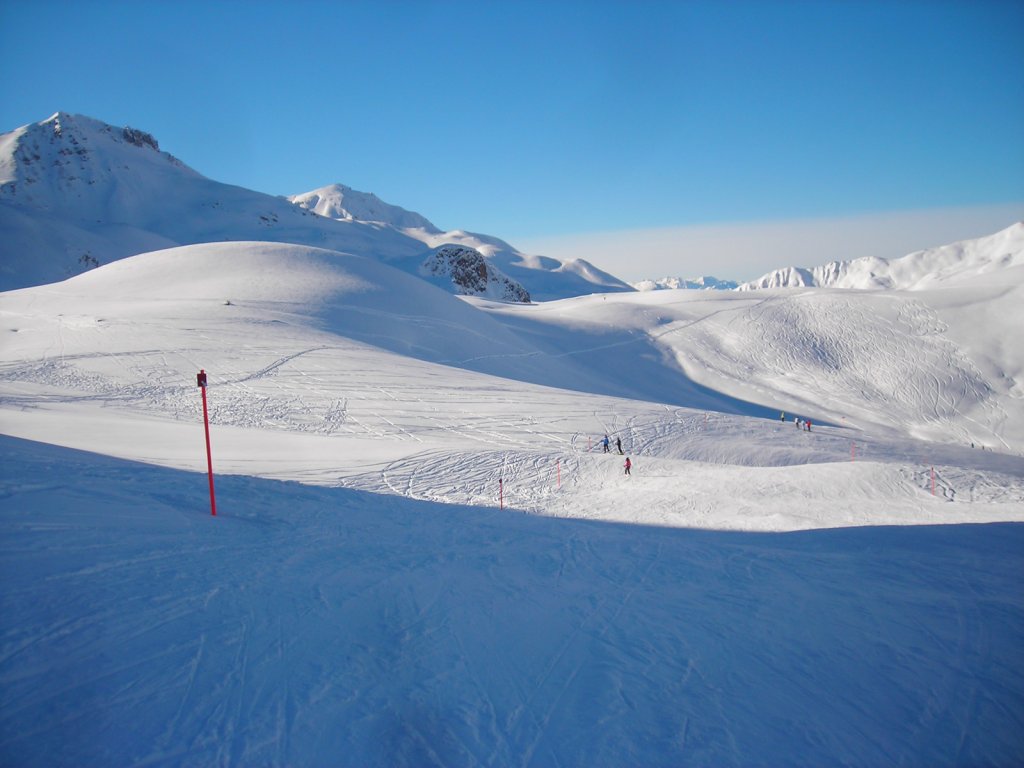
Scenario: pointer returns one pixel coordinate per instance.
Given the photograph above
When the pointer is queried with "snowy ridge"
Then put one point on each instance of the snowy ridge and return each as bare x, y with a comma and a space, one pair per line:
338, 201
115, 198
544, 277
922, 269
58, 158
76, 193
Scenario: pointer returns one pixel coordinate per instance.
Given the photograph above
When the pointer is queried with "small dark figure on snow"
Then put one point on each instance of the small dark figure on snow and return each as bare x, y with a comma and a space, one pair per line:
618, 444
628, 465
604, 443
808, 425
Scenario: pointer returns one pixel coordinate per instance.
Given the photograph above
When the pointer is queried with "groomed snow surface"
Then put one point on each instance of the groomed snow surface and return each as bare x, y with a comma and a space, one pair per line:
753, 594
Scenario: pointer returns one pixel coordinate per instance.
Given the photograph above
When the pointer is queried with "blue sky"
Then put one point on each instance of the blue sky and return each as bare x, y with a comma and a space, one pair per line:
547, 123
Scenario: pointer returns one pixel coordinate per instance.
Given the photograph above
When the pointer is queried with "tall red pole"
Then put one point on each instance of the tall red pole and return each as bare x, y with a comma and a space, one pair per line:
201, 379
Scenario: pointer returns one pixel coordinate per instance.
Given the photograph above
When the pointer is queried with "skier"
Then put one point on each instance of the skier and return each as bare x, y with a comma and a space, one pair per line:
796, 421
628, 465
782, 416
604, 443
618, 444
808, 425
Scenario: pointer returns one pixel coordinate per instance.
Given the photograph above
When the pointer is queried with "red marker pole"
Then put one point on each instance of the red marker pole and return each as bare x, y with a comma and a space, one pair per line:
201, 382
558, 468
933, 481
853, 450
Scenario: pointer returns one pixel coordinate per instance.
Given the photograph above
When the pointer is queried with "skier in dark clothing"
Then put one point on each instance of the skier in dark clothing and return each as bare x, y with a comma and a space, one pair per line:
618, 444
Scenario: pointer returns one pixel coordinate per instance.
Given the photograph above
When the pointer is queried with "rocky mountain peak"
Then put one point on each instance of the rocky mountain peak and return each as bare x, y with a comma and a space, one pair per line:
471, 274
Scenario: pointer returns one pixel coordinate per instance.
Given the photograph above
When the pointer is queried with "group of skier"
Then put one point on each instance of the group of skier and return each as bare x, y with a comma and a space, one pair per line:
804, 424
606, 446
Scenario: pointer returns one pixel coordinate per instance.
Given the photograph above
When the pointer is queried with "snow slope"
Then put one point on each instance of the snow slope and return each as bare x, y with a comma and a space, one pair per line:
362, 598
315, 356
930, 268
315, 626
942, 365
76, 192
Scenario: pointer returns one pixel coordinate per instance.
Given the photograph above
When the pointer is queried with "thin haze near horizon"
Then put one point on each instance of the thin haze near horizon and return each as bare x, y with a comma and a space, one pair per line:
651, 138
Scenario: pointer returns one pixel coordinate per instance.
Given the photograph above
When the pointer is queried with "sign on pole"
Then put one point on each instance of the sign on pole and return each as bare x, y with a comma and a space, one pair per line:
201, 383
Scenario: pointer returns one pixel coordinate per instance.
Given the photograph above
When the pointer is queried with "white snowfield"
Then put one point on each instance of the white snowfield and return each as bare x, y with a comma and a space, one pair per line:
380, 608
341, 371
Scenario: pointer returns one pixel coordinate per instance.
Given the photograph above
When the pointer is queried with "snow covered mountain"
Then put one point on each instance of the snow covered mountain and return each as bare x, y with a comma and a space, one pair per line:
337, 201
76, 193
933, 267
705, 283
545, 278
460, 268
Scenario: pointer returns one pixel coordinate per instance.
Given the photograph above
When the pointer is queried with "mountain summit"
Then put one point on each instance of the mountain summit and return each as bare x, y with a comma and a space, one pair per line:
74, 164
336, 201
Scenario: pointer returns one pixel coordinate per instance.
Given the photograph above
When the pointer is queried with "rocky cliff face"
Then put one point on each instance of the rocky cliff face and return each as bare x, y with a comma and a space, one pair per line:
471, 275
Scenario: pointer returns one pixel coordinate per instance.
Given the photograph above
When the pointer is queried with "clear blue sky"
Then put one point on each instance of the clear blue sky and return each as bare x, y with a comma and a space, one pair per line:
540, 119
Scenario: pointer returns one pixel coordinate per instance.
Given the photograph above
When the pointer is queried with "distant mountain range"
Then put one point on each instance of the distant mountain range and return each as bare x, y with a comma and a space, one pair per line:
922, 269
929, 268
705, 283
76, 193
